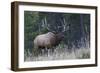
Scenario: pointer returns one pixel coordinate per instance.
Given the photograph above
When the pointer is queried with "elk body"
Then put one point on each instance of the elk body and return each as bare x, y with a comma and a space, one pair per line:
47, 40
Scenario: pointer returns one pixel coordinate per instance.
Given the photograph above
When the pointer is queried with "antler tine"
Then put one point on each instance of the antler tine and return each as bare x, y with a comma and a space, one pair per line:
66, 26
47, 25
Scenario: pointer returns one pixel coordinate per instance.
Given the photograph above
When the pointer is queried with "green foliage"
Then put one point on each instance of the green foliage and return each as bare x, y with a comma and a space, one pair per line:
30, 20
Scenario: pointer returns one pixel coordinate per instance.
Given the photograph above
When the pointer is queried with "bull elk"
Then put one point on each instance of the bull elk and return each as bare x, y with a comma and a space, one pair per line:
49, 39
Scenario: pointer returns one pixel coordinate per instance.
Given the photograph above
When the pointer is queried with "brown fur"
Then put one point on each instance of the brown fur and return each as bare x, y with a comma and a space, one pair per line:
47, 40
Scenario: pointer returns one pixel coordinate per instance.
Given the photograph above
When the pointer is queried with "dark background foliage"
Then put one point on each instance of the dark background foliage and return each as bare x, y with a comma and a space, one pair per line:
76, 27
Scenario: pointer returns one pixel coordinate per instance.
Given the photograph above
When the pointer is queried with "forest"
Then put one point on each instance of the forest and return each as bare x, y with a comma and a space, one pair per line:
74, 26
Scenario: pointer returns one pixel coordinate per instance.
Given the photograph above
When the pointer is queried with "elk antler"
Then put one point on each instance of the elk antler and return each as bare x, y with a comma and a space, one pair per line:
65, 25
45, 24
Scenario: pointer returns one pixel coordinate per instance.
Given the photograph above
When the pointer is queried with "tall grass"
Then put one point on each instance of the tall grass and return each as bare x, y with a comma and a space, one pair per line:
60, 52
